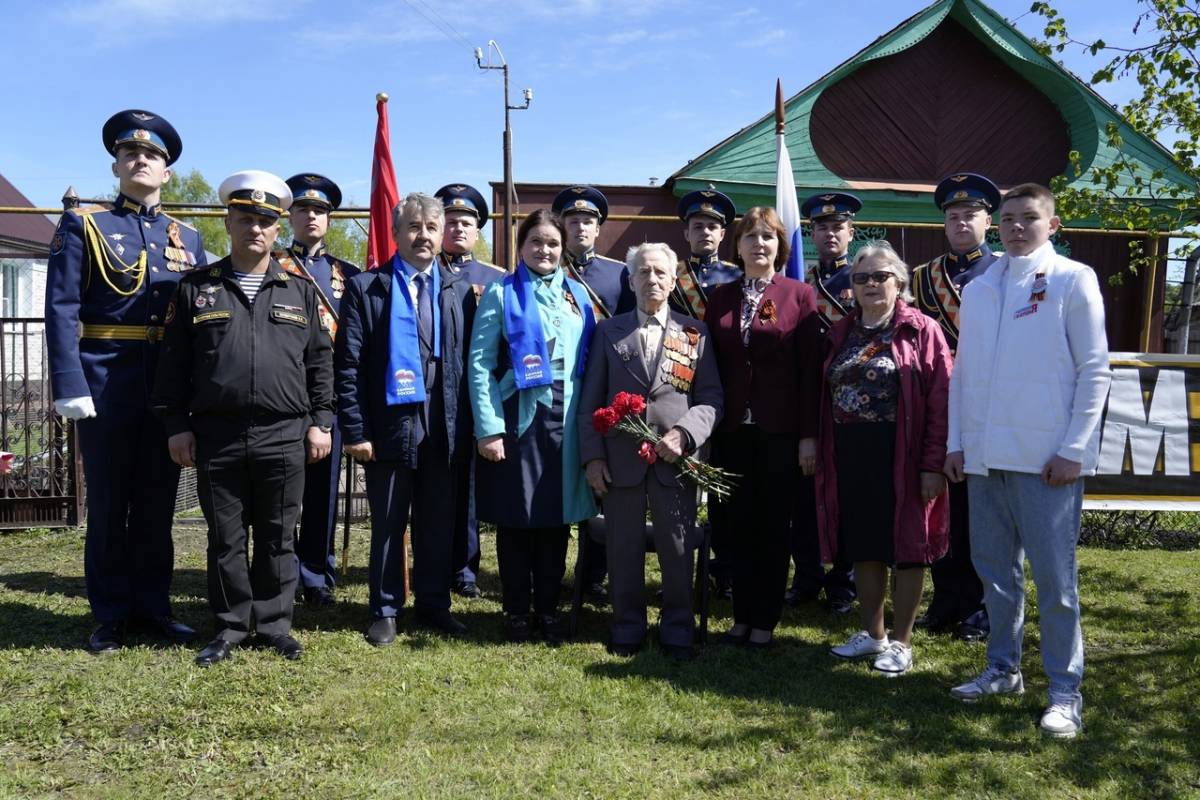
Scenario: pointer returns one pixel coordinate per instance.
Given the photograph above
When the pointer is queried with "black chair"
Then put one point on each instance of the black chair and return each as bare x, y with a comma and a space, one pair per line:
593, 531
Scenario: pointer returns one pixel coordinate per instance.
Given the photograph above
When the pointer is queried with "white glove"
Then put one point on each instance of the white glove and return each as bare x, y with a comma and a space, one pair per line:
75, 407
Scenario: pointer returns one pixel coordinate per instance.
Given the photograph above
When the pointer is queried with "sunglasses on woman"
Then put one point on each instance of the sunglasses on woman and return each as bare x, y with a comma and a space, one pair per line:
862, 278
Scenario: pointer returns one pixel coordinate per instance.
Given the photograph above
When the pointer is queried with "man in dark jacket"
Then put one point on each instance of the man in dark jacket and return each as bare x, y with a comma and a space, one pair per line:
245, 392
404, 414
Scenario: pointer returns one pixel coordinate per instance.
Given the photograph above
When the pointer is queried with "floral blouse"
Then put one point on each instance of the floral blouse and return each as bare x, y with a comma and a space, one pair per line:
863, 382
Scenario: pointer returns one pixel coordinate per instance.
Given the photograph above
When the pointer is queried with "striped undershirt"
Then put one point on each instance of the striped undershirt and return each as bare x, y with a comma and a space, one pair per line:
250, 283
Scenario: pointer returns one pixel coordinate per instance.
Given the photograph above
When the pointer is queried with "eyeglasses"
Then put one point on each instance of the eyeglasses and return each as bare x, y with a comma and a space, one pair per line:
863, 278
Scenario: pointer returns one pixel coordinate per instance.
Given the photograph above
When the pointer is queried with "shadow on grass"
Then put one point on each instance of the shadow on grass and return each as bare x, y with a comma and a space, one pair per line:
1138, 732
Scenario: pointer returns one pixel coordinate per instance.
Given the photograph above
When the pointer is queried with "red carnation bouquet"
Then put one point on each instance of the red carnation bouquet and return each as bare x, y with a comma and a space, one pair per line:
625, 416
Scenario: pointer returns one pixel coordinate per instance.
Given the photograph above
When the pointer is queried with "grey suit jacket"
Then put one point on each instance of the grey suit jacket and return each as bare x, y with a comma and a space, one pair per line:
615, 365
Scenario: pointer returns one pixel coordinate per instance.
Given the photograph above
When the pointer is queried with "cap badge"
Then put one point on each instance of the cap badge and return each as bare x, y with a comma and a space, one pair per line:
458, 188
458, 201
578, 189
961, 194
707, 194
829, 209
958, 178
581, 203
828, 197
142, 117
312, 179
312, 193
141, 135
707, 207
258, 195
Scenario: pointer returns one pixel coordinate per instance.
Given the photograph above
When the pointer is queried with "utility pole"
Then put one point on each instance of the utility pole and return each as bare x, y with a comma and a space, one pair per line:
509, 192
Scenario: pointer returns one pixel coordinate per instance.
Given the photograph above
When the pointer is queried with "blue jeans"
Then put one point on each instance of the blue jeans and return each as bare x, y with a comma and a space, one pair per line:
1014, 514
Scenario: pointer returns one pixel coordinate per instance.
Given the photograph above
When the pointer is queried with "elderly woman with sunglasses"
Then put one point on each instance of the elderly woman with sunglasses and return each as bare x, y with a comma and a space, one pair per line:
881, 499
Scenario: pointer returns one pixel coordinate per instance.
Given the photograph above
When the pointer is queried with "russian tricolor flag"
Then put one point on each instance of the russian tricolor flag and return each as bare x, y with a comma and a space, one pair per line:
786, 204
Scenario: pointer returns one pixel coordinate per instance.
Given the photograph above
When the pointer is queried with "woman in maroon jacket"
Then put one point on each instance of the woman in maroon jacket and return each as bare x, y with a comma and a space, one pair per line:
881, 496
767, 341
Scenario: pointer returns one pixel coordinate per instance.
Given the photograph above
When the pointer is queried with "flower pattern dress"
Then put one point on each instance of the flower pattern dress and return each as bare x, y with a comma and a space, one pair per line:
862, 377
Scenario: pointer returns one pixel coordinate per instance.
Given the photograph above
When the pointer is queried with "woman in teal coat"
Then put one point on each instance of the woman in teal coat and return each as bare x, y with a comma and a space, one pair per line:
525, 369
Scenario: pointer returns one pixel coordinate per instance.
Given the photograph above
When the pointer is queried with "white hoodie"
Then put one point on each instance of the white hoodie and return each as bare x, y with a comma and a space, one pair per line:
1031, 375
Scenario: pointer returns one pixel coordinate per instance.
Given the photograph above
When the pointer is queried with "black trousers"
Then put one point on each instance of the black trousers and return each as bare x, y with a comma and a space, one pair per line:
318, 518
957, 590
760, 517
532, 563
431, 490
250, 478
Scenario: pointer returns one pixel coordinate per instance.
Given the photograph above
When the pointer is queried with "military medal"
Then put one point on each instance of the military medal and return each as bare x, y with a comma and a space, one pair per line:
337, 280
1038, 293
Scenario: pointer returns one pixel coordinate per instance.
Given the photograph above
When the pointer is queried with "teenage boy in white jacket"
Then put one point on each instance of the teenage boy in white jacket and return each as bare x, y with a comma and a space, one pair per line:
1026, 396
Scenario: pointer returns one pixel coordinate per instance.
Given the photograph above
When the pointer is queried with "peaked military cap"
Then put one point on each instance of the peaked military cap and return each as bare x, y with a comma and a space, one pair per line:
309, 188
135, 126
708, 202
837, 205
581, 200
461, 197
256, 191
967, 187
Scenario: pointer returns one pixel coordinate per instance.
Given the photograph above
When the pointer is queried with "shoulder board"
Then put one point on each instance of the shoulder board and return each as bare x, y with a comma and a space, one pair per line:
187, 225
83, 211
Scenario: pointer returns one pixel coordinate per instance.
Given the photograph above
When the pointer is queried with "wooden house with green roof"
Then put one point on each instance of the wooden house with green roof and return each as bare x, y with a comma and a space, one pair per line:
891, 121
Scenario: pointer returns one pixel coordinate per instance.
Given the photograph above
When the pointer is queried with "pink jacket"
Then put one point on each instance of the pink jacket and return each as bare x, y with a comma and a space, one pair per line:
923, 362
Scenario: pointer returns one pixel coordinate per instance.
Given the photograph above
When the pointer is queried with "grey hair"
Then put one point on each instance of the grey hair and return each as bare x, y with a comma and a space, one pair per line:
416, 204
636, 253
883, 252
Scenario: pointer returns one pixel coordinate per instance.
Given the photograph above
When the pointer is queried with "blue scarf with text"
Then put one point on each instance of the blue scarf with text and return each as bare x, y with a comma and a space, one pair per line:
407, 384
523, 329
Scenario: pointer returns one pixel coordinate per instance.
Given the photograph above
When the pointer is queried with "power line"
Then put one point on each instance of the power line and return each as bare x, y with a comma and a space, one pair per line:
437, 21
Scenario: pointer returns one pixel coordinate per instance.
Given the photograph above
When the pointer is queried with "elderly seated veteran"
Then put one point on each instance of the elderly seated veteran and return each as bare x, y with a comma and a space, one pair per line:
665, 357
881, 501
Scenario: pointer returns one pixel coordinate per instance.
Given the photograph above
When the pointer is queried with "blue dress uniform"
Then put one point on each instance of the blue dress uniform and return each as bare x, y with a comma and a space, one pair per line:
607, 284
318, 516
461, 198
835, 299
957, 603
110, 276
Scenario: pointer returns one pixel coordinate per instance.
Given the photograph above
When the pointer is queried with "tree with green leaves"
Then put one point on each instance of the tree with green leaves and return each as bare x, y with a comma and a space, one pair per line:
1164, 59
192, 188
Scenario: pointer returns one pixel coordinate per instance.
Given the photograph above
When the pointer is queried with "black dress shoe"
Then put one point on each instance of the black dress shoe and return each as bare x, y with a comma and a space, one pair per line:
109, 637
283, 644
624, 650
467, 589
735, 639
167, 627
840, 605
597, 592
214, 652
971, 633
677, 652
551, 628
518, 628
796, 597
318, 596
935, 622
382, 631
440, 620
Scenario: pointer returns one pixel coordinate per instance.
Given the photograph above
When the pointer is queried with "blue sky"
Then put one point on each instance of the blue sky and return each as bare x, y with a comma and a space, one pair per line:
623, 89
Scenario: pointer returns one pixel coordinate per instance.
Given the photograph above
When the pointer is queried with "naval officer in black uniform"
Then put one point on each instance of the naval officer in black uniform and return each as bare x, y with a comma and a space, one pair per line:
111, 274
313, 198
245, 392
831, 215
466, 213
967, 200
583, 210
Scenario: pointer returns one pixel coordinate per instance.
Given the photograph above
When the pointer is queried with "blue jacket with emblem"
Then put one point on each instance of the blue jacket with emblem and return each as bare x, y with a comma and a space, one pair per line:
94, 278
361, 367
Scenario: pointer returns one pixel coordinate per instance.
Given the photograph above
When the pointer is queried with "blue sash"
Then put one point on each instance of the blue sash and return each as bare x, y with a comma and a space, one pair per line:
523, 329
407, 384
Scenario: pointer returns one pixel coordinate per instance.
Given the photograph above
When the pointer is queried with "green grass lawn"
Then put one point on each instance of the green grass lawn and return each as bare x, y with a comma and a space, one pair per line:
482, 718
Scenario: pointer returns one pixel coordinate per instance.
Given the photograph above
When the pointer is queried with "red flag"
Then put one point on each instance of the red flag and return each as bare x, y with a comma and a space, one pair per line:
384, 194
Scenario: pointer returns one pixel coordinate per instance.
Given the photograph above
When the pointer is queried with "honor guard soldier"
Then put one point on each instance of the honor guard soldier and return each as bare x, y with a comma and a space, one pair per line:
313, 198
245, 392
706, 215
831, 215
583, 210
466, 213
967, 201
110, 276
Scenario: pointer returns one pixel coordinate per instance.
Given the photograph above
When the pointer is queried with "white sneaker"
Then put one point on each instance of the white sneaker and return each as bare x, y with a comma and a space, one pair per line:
861, 645
992, 680
1063, 719
894, 661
